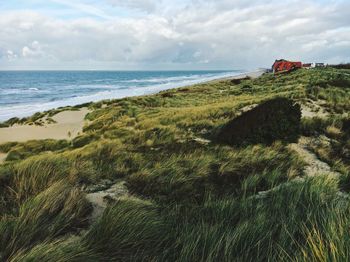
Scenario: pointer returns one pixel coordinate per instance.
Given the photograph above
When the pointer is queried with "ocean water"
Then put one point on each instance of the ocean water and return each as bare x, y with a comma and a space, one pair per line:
23, 93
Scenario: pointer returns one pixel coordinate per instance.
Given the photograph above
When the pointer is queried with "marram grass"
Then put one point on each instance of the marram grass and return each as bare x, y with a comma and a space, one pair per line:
191, 199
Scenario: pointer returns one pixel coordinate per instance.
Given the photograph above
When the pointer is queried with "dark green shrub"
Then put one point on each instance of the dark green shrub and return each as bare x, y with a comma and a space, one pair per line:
346, 126
17, 151
11, 121
276, 119
4, 125
239, 80
340, 82
82, 140
5, 148
341, 66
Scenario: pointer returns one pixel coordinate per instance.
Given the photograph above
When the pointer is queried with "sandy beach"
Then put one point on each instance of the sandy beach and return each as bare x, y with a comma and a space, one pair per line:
253, 74
69, 125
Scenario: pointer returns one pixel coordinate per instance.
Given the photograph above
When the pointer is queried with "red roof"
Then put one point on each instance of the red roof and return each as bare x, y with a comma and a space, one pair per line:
285, 66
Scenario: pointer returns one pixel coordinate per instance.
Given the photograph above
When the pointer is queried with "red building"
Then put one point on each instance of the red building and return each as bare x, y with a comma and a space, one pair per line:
285, 66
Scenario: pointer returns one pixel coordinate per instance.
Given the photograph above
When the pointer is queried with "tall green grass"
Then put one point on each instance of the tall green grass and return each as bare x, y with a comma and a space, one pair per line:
220, 170
278, 227
58, 210
192, 200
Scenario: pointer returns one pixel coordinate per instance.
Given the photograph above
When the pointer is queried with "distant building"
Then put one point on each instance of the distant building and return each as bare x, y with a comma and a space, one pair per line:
313, 65
285, 66
309, 65
319, 65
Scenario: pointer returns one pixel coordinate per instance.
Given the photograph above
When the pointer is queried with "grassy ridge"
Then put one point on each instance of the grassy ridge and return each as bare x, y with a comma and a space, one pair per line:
194, 200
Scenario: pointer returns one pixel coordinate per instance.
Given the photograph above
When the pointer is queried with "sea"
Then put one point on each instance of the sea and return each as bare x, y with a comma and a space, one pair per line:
23, 93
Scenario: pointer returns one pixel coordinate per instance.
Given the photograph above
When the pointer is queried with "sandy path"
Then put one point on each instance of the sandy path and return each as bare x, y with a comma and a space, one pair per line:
313, 109
314, 166
99, 199
69, 124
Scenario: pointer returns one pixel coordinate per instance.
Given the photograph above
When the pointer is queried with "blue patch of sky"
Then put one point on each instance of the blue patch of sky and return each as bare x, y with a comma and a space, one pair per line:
67, 9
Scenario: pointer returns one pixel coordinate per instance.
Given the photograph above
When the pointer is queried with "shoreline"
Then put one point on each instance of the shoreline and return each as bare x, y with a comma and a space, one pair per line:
29, 108
69, 124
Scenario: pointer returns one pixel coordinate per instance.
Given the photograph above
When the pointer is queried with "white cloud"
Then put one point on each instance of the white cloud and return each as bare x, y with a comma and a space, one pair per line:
200, 34
11, 55
35, 50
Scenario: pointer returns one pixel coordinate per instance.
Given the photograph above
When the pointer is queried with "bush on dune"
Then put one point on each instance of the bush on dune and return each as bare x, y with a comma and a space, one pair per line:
6, 147
83, 140
18, 151
277, 119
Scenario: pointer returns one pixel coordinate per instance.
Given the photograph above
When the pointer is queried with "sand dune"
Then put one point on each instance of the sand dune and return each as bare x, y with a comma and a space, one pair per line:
69, 125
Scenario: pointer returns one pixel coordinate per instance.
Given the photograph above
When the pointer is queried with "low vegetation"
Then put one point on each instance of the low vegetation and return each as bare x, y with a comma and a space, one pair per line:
18, 151
191, 197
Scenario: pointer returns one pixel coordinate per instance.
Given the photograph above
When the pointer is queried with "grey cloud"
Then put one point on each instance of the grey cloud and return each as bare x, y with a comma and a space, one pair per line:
228, 34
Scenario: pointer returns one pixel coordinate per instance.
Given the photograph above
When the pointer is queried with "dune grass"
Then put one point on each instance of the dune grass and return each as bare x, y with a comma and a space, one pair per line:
192, 198
52, 213
19, 151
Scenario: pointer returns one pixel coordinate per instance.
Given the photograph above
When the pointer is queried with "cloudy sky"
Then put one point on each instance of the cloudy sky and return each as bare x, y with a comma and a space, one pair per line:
171, 34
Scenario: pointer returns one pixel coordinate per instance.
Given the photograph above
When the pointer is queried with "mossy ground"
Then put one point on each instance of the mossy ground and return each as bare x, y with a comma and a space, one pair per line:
192, 201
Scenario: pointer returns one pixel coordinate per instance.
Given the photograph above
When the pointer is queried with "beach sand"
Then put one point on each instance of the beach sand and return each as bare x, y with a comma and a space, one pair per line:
253, 74
69, 125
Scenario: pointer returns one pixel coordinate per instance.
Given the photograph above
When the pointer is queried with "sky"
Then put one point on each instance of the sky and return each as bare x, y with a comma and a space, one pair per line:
170, 34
